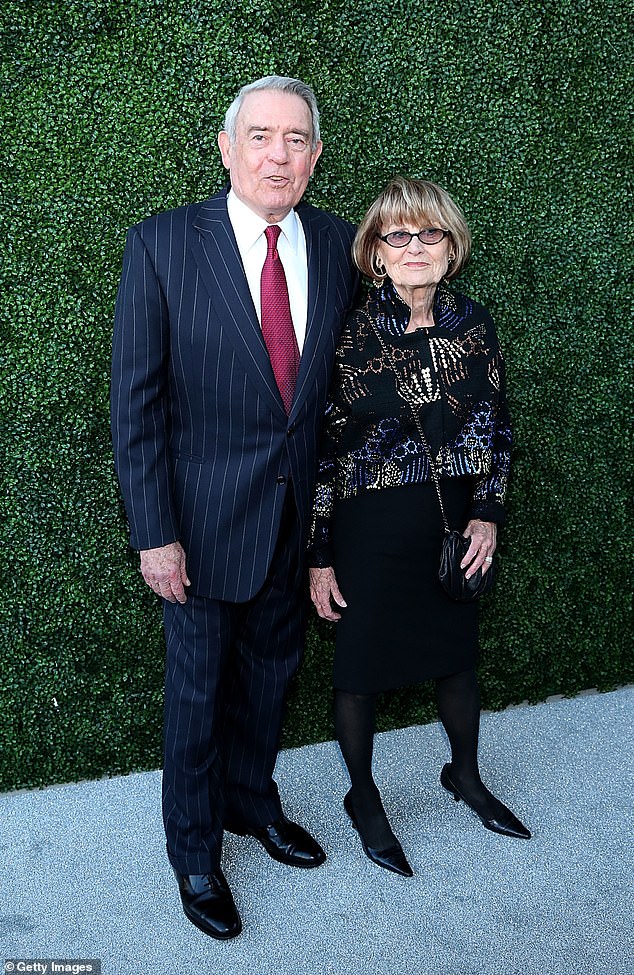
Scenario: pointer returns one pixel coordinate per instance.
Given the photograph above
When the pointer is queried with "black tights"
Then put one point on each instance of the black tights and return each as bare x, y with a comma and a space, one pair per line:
354, 726
458, 699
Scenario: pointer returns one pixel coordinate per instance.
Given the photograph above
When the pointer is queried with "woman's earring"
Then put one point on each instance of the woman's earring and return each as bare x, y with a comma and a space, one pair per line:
378, 270
450, 261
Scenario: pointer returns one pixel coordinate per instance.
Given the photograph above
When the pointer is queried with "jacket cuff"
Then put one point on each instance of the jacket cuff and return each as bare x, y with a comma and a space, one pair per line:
489, 511
320, 557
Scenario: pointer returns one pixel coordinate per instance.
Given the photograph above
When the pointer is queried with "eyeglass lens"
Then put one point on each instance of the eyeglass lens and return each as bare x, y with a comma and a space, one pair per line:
401, 238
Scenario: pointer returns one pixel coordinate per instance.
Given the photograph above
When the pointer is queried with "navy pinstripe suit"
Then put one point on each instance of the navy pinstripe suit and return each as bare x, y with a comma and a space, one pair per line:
206, 455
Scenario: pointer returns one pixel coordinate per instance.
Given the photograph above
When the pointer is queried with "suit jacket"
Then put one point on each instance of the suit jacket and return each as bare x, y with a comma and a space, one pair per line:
204, 449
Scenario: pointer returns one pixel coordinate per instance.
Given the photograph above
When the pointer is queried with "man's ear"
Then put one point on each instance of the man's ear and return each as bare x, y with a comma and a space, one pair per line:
315, 155
224, 145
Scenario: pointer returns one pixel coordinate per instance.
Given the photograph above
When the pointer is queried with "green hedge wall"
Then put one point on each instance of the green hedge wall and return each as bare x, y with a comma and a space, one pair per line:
110, 113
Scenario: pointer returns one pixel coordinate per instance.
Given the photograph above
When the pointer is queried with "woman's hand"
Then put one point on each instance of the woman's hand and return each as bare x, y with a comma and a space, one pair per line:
324, 591
483, 536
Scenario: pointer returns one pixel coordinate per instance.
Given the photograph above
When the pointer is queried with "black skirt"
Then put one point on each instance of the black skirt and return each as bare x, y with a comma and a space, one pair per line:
400, 627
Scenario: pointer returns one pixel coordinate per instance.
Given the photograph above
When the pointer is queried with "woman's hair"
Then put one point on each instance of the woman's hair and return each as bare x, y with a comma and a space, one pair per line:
419, 203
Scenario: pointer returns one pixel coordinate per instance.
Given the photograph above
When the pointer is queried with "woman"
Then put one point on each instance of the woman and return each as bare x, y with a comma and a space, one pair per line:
377, 527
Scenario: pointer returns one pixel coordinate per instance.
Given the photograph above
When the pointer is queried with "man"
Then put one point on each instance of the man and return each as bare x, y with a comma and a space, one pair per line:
225, 332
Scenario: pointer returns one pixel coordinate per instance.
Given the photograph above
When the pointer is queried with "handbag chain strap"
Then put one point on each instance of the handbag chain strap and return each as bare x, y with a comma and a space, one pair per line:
434, 471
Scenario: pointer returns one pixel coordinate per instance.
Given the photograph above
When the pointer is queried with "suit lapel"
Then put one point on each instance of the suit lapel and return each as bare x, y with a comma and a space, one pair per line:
216, 253
321, 294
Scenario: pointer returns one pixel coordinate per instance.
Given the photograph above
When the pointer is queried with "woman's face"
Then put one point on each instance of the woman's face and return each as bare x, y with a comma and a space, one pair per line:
417, 265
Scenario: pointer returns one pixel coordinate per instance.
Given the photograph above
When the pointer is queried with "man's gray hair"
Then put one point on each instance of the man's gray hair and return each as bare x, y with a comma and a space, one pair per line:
274, 82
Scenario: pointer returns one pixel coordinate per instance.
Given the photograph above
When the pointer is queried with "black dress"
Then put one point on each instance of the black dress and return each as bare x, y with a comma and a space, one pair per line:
376, 515
400, 626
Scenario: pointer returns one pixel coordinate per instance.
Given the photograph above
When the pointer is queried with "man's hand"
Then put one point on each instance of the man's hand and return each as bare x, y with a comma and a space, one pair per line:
483, 535
323, 589
164, 571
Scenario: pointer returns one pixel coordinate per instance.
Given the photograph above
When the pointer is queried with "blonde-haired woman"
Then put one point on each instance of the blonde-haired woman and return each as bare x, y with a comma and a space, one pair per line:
417, 355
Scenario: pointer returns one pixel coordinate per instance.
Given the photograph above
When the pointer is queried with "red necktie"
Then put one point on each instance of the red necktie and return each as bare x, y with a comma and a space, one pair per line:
277, 324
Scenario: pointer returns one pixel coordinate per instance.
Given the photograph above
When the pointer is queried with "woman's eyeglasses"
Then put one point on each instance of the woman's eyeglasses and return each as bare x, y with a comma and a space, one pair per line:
401, 238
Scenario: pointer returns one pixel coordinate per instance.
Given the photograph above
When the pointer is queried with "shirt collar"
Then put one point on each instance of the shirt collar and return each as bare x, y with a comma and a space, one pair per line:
249, 227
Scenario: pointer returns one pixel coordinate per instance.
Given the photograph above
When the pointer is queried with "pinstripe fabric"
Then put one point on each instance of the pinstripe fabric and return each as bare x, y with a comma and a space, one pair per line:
205, 454
227, 674
202, 441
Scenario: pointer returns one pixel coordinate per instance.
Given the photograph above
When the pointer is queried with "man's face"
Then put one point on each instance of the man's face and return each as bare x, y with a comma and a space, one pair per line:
272, 159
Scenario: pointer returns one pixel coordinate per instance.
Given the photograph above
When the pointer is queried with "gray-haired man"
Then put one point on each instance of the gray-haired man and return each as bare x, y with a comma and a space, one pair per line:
225, 335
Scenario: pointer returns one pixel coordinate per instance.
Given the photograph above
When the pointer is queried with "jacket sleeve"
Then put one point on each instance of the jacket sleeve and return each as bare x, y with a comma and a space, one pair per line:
140, 398
336, 417
490, 489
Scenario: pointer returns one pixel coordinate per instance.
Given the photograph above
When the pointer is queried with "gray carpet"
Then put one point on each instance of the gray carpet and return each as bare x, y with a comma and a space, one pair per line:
84, 873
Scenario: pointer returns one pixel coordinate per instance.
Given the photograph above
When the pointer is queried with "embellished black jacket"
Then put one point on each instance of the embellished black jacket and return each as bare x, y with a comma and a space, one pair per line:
455, 371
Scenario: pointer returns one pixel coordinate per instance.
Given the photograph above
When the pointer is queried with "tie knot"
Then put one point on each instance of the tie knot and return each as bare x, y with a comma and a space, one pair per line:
272, 235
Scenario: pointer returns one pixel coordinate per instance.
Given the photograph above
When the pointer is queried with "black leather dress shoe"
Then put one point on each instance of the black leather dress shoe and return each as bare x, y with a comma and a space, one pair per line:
507, 823
286, 842
208, 904
391, 858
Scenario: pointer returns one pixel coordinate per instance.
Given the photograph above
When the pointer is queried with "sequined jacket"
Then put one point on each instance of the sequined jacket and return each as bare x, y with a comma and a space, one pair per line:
455, 374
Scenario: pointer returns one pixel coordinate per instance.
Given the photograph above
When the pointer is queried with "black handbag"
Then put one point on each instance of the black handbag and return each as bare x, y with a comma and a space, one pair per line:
454, 545
453, 579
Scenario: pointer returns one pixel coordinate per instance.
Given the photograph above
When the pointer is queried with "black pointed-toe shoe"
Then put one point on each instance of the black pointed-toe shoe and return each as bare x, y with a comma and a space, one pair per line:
507, 823
286, 842
391, 858
208, 904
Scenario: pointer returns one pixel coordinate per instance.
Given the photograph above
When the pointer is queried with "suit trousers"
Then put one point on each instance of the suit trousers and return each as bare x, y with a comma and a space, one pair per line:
227, 674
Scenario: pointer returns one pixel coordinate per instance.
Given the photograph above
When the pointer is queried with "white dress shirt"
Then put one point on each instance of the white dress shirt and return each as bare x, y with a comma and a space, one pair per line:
249, 229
